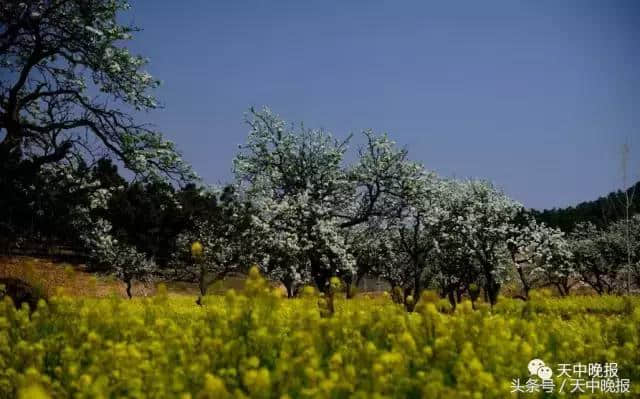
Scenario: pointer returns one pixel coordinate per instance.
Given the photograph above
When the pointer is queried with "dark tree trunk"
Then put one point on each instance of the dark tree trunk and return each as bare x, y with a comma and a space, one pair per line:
474, 293
409, 305
288, 284
349, 290
459, 292
452, 298
202, 284
561, 289
349, 286
128, 283
320, 277
396, 294
492, 288
417, 289
20, 292
525, 285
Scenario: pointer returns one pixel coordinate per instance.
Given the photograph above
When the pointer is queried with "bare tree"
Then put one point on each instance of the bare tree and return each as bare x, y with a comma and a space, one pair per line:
628, 196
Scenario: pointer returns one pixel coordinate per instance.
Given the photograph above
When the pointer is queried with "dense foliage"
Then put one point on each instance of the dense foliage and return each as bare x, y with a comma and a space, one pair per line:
601, 212
69, 87
257, 345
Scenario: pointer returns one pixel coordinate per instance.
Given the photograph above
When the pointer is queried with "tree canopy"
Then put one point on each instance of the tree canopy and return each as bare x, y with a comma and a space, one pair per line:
70, 88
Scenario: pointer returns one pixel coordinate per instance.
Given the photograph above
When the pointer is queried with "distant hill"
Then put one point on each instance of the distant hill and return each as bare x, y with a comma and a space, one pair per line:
601, 212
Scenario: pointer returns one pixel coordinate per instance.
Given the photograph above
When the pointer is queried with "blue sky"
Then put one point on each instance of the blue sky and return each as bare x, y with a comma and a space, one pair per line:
537, 96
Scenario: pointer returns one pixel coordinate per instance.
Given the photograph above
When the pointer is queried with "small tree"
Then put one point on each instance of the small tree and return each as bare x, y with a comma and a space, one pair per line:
628, 197
130, 265
223, 237
106, 251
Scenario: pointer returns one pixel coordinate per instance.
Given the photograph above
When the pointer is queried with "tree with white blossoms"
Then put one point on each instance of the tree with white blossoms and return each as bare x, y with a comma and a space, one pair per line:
415, 231
104, 250
483, 222
598, 256
629, 230
374, 254
66, 80
601, 256
124, 261
456, 270
294, 179
283, 241
306, 196
456, 267
542, 256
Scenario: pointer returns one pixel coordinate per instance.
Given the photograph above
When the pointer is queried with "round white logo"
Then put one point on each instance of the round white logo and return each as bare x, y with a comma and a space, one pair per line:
545, 372
534, 365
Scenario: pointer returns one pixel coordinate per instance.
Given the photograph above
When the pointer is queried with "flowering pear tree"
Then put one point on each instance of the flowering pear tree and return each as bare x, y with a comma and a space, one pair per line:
483, 220
65, 80
629, 233
601, 256
76, 189
374, 254
215, 259
597, 255
283, 242
382, 181
307, 198
295, 180
417, 228
541, 256
456, 270
455, 266
105, 250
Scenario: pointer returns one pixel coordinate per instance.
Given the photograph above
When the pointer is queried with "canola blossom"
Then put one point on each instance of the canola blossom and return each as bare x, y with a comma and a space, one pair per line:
257, 344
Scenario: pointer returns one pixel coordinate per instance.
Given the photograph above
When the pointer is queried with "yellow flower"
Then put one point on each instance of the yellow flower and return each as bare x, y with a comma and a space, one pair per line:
196, 250
213, 388
253, 362
33, 391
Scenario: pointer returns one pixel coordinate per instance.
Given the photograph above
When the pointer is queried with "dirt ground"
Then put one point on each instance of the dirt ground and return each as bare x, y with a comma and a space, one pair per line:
50, 276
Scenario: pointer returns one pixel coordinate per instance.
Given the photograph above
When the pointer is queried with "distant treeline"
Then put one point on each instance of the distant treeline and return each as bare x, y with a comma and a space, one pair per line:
601, 212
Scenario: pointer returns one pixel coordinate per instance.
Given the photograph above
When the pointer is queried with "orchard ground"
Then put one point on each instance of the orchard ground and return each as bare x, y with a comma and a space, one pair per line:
49, 276
73, 279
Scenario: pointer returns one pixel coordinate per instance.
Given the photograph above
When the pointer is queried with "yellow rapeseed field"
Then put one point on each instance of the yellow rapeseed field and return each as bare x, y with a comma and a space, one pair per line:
259, 345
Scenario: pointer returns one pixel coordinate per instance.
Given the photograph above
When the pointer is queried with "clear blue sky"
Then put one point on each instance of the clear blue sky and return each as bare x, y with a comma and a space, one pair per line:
537, 96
